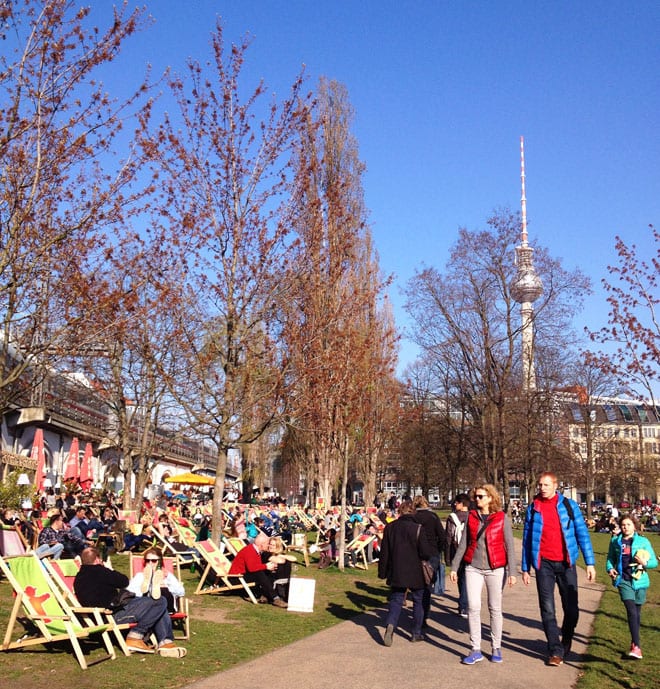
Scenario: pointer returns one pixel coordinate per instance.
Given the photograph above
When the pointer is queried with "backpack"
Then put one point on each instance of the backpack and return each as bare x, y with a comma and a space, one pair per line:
458, 531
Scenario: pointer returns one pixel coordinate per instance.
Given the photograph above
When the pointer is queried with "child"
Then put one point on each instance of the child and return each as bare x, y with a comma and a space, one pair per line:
628, 558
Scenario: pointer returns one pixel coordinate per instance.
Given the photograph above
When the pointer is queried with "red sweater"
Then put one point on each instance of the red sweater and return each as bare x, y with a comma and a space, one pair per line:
552, 537
247, 560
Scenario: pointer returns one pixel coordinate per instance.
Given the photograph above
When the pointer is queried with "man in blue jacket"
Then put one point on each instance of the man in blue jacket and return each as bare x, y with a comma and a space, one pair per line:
553, 534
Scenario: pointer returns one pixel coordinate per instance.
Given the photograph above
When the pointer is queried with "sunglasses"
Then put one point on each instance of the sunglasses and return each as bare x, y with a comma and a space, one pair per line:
480, 497
151, 559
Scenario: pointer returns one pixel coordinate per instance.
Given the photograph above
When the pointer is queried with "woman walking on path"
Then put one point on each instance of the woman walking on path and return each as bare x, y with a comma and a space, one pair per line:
403, 548
487, 549
629, 556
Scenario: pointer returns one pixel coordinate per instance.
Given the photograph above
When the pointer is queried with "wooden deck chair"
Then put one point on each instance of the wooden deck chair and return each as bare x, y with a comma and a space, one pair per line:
217, 567
49, 617
187, 535
233, 544
358, 546
299, 545
63, 573
12, 541
184, 557
129, 516
181, 617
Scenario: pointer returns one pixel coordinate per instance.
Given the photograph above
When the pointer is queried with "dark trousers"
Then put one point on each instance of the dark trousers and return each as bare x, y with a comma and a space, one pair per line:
263, 582
549, 574
397, 597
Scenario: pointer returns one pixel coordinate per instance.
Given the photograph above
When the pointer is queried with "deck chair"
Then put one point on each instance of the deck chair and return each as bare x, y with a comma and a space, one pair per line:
299, 545
46, 614
183, 557
233, 544
12, 541
181, 617
187, 535
217, 566
358, 546
63, 573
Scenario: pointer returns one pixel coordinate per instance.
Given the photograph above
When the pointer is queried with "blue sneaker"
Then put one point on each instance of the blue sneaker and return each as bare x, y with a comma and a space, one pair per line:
473, 658
496, 656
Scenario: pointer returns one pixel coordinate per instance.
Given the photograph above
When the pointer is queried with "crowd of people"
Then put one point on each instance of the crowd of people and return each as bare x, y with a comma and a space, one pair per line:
405, 537
478, 546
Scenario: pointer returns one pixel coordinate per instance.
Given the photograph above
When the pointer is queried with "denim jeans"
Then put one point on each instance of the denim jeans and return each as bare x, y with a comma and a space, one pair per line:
397, 596
474, 581
149, 615
552, 572
434, 561
54, 551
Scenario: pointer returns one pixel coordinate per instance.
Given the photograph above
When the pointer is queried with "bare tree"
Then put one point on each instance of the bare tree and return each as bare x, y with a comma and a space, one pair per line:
634, 324
60, 182
225, 194
469, 315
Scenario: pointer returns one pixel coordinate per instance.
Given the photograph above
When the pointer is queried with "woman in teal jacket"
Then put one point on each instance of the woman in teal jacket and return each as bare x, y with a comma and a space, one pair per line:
628, 558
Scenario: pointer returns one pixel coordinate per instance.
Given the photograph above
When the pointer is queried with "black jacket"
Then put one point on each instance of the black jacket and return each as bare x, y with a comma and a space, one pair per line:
96, 585
403, 548
435, 531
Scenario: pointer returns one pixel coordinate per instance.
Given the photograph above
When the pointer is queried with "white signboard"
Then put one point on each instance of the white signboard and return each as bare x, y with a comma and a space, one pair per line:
301, 594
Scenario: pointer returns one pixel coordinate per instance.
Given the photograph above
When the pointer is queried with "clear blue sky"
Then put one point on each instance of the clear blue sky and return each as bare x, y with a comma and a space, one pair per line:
442, 92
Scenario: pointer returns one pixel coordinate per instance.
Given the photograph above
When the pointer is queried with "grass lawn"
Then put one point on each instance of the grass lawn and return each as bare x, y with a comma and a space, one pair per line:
227, 630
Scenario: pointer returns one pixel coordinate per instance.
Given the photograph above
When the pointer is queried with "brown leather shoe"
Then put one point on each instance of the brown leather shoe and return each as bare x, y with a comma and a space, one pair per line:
138, 646
555, 661
279, 603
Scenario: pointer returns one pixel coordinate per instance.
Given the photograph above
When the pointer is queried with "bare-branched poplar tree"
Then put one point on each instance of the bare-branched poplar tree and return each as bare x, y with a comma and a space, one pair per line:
222, 173
634, 323
469, 316
61, 183
341, 345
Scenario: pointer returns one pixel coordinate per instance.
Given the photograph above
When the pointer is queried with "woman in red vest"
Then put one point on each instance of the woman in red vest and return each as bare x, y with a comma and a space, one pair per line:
487, 550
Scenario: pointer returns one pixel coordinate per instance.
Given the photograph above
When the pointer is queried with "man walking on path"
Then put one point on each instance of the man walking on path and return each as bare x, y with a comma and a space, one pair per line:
553, 533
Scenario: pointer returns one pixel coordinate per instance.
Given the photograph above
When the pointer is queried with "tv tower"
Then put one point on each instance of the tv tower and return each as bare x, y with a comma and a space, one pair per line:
526, 288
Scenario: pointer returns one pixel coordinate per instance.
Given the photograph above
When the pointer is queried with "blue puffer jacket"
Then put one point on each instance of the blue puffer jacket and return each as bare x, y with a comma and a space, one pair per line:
575, 532
614, 559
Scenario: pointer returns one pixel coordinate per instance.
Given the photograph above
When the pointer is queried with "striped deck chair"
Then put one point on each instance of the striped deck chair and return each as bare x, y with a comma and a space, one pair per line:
50, 618
217, 570
187, 535
63, 573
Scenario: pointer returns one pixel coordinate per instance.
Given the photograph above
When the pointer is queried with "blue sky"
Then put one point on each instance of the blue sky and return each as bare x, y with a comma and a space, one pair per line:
442, 92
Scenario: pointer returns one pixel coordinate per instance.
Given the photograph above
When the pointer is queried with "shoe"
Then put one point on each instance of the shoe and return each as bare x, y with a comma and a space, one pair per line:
389, 633
279, 603
262, 600
171, 650
463, 614
474, 657
555, 661
635, 652
496, 656
138, 646
417, 637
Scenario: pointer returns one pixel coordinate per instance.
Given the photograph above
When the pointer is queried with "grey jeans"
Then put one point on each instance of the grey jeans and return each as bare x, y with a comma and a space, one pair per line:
474, 582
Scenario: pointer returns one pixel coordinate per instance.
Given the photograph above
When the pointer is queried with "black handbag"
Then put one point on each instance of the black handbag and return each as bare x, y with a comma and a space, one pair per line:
121, 599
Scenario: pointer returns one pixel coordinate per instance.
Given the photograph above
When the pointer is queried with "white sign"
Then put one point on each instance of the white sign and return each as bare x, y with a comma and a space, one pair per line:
301, 594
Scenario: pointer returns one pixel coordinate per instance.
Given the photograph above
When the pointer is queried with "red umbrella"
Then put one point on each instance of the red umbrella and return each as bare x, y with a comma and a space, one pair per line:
72, 468
86, 475
39, 456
